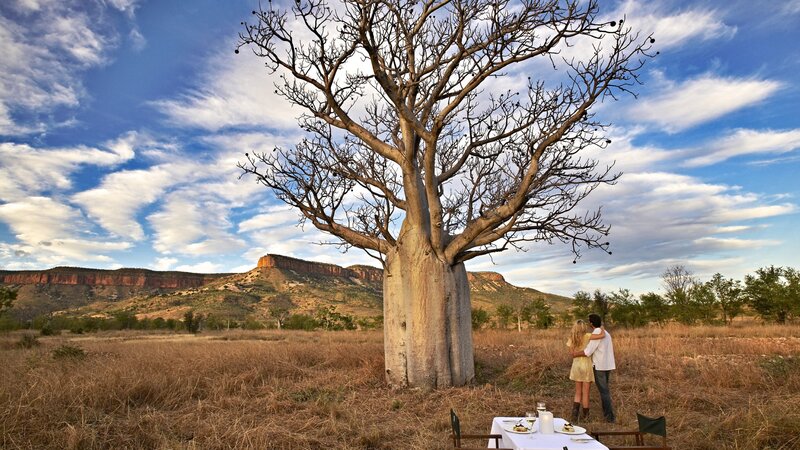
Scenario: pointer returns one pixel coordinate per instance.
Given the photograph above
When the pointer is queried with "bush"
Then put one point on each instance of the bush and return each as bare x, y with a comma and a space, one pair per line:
49, 330
192, 322
28, 341
67, 351
479, 318
300, 322
252, 324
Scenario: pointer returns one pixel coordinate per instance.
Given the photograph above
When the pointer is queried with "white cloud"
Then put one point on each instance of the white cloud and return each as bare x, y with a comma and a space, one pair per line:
126, 6
73, 35
670, 29
203, 267
46, 231
116, 201
164, 263
657, 219
26, 171
236, 92
242, 269
44, 55
190, 225
691, 102
27, 6
709, 243
791, 7
137, 40
747, 142
275, 216
674, 29
658, 215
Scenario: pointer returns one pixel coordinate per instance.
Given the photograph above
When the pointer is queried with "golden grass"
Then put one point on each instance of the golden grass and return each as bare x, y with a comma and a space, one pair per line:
736, 388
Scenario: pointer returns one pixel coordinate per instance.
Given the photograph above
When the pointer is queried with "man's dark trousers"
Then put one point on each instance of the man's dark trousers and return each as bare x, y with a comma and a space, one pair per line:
601, 377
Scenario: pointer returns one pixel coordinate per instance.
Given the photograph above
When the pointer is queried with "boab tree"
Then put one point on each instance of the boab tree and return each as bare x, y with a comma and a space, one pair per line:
414, 152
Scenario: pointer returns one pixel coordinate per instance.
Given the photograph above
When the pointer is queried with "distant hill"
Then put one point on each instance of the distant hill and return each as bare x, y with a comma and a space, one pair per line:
298, 285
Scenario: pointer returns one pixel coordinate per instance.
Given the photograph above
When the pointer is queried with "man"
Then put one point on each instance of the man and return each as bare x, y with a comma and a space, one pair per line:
602, 353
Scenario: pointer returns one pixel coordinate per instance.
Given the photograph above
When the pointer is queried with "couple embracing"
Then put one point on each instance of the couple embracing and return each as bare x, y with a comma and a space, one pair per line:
592, 361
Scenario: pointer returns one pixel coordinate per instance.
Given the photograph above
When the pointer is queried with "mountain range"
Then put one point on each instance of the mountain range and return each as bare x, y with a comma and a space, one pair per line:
296, 285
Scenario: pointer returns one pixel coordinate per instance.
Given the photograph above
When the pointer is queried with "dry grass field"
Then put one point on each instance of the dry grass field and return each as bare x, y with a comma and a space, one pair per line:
733, 388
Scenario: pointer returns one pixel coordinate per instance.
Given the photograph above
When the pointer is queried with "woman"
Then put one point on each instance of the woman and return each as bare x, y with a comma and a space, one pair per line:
581, 372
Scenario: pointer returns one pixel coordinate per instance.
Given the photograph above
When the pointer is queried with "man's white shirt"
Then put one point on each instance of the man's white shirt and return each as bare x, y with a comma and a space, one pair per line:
601, 351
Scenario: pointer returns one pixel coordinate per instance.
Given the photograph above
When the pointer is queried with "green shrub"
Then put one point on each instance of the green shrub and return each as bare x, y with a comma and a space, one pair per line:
49, 330
28, 341
479, 318
300, 322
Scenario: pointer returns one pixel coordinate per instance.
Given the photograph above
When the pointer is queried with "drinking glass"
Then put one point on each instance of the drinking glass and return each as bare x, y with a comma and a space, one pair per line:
531, 416
540, 407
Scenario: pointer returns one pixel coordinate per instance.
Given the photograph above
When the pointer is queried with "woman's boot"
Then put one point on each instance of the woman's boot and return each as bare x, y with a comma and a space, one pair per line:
585, 415
576, 409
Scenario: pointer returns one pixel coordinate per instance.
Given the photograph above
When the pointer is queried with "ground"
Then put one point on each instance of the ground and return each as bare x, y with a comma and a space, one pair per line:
719, 387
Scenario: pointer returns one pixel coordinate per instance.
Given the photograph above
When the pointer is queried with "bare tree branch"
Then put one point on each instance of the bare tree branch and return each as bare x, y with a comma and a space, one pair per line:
406, 130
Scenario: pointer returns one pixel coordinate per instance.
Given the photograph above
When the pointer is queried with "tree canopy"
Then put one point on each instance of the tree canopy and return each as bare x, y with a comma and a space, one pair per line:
406, 122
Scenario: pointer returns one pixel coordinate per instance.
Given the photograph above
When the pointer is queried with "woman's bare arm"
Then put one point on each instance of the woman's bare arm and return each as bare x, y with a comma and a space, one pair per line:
599, 335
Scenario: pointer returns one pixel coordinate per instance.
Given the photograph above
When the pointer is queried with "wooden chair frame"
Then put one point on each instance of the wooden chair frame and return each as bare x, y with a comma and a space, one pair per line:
455, 424
638, 437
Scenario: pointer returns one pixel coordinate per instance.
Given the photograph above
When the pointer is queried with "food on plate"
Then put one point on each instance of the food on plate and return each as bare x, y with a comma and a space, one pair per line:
568, 427
520, 428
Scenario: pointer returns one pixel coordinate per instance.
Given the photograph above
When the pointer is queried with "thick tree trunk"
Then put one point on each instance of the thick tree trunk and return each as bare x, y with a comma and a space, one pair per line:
427, 319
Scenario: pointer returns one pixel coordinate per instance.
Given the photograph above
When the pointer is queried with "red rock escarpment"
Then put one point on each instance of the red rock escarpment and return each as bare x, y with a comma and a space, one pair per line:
366, 273
96, 277
486, 276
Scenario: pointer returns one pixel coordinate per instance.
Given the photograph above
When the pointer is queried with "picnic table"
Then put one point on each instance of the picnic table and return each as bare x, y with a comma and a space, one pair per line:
535, 440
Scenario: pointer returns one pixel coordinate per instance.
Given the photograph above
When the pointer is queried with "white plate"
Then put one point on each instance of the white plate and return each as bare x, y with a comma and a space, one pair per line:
510, 428
578, 430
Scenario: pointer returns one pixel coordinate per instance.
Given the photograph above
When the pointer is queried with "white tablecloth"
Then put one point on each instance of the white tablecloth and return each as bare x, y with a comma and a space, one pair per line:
539, 441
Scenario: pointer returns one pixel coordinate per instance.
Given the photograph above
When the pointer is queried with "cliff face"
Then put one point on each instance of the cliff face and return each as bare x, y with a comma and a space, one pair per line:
138, 278
485, 276
143, 278
355, 290
300, 266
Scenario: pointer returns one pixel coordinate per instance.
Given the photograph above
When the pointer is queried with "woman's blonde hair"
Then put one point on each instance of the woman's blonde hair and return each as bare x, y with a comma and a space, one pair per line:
579, 329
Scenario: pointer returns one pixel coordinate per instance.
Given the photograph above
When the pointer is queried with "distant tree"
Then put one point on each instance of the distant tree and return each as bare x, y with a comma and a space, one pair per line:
301, 322
581, 305
280, 314
213, 322
600, 304
655, 308
7, 297
538, 314
252, 323
774, 293
369, 323
626, 310
279, 307
677, 281
125, 320
703, 305
523, 312
564, 319
504, 315
172, 324
423, 160
192, 321
792, 277
728, 294
479, 318
329, 319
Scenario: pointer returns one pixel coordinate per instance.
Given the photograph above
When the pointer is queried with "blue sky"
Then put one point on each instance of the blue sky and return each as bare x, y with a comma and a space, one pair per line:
121, 122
